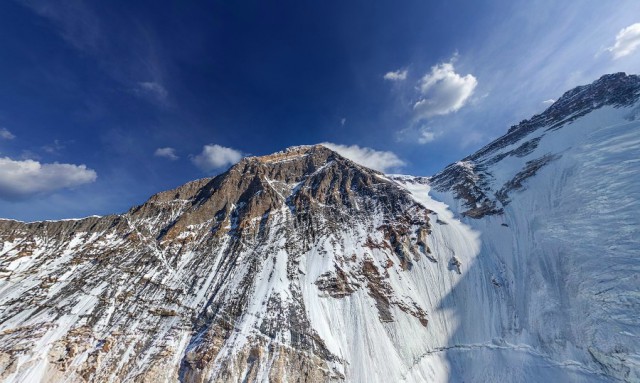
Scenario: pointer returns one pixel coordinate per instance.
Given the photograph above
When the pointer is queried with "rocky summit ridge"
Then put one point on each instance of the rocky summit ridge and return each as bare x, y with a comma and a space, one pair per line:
204, 269
517, 263
471, 177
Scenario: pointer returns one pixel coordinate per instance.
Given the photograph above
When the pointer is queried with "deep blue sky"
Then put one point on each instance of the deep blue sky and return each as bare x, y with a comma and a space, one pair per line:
105, 84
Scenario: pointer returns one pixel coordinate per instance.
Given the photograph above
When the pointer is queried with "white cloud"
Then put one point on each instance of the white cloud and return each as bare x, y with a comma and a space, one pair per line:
443, 91
24, 179
374, 159
426, 136
418, 134
549, 101
627, 41
343, 121
169, 153
216, 156
6, 135
153, 89
74, 20
398, 75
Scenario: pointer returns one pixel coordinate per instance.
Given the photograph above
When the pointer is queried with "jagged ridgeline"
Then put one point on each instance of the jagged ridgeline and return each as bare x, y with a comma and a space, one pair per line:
471, 177
518, 263
206, 281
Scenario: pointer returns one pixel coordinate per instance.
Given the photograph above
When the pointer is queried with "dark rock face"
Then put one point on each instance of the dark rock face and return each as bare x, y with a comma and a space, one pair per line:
530, 169
470, 179
223, 279
470, 184
199, 281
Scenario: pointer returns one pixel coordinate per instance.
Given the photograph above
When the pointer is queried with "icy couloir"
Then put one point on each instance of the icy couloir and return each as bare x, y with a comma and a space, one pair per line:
518, 263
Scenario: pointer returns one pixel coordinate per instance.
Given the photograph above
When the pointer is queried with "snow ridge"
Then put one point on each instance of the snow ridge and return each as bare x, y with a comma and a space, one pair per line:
518, 263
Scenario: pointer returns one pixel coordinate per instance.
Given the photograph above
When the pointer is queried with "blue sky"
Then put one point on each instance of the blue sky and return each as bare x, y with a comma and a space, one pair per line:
103, 103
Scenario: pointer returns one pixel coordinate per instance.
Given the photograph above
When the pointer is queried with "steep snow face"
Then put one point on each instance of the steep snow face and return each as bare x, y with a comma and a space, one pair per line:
299, 266
518, 264
557, 278
481, 342
385, 351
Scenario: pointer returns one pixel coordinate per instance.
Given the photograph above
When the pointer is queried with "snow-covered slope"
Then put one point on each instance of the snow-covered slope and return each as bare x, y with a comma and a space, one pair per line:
558, 273
519, 263
299, 266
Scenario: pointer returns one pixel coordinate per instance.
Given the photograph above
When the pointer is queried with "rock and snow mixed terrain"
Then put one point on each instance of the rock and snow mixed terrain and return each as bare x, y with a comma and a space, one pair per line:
518, 263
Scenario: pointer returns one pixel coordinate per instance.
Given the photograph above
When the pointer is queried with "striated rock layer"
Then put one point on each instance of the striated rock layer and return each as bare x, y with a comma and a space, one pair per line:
207, 282
518, 264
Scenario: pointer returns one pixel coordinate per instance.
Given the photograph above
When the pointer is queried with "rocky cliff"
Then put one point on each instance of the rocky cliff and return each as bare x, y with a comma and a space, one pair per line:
518, 263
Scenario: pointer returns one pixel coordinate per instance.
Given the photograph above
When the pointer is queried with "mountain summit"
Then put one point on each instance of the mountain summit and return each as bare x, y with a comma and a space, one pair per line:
220, 278
518, 263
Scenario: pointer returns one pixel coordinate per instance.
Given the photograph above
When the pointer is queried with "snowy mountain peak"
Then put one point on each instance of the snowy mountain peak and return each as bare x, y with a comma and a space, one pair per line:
615, 90
486, 191
556, 200
228, 274
295, 152
304, 266
246, 196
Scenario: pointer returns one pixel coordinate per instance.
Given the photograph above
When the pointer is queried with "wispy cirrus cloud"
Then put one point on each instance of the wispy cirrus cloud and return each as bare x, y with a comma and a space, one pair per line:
214, 157
418, 134
152, 89
426, 136
82, 27
74, 20
54, 148
382, 161
627, 41
25, 179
